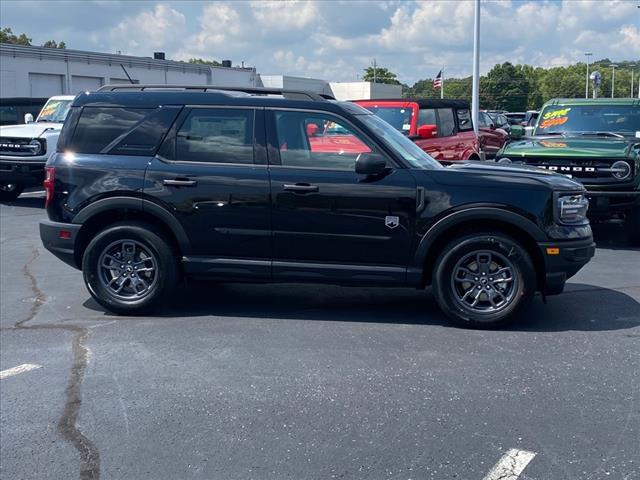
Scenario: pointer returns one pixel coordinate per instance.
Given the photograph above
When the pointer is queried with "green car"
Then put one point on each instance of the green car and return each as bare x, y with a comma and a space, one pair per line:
596, 142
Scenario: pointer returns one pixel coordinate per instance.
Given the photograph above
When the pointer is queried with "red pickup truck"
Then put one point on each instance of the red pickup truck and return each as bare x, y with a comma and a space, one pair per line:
442, 128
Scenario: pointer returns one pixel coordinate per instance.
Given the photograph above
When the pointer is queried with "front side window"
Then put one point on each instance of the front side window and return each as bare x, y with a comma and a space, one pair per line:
317, 140
216, 135
427, 116
447, 125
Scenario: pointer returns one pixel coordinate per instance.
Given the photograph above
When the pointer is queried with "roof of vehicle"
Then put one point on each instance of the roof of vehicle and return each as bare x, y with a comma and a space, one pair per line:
152, 97
62, 97
422, 102
593, 101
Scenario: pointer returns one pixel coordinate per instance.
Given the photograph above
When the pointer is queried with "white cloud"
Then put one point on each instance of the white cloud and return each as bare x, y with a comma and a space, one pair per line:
284, 14
148, 29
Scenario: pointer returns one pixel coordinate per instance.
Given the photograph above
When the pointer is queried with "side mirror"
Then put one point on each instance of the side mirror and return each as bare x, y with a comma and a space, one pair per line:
428, 131
370, 164
28, 118
528, 131
516, 132
492, 126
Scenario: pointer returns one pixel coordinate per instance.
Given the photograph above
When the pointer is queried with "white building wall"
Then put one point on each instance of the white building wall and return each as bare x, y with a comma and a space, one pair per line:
314, 85
43, 72
364, 90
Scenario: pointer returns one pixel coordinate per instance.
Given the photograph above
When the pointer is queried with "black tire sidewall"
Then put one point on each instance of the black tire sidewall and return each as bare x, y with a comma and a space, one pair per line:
632, 225
501, 244
151, 239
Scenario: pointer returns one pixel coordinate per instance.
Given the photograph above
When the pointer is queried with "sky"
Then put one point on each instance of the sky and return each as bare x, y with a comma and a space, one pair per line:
335, 40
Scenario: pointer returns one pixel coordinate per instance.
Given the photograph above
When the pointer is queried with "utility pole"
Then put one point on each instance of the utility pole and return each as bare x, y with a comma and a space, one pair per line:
442, 84
631, 96
613, 78
586, 87
374, 70
475, 96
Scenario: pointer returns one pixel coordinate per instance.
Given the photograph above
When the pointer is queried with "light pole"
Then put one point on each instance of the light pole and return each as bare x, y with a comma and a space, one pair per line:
613, 77
586, 85
475, 95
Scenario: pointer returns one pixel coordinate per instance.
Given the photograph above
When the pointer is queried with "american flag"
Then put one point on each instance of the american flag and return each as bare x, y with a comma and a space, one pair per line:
437, 82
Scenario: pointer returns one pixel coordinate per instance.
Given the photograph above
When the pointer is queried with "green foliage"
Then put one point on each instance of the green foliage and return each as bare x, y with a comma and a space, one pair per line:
202, 61
7, 36
54, 44
382, 75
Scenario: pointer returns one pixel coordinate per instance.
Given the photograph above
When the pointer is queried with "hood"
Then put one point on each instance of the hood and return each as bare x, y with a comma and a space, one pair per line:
558, 146
495, 175
29, 130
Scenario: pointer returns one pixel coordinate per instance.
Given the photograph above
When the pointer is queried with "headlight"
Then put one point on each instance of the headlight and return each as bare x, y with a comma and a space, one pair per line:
621, 170
571, 209
37, 146
504, 160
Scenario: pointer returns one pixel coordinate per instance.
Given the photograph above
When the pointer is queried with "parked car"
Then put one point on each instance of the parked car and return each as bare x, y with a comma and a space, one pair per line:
442, 128
516, 118
24, 149
595, 142
14, 110
151, 185
490, 136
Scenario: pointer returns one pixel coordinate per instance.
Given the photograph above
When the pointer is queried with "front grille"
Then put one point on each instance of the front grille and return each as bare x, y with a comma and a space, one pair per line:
598, 170
21, 147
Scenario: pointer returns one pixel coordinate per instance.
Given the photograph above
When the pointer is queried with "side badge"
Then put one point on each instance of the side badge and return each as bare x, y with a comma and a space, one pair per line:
391, 221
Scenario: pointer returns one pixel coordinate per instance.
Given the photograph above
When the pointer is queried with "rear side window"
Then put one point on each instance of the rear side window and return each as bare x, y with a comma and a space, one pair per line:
427, 116
464, 119
447, 125
216, 135
121, 131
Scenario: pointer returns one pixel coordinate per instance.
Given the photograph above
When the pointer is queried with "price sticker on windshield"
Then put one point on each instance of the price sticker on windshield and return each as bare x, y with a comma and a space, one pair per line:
555, 117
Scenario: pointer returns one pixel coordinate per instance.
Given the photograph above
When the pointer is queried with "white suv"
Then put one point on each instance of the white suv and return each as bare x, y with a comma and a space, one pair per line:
24, 149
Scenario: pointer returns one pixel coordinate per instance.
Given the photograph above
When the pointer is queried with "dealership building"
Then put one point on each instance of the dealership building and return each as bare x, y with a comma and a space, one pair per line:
39, 72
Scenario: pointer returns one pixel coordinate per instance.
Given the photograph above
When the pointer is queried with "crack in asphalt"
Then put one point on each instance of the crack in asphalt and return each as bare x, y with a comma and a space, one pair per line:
67, 428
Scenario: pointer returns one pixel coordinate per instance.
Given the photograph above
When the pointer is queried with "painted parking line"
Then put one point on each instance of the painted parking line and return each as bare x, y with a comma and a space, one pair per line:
25, 367
510, 465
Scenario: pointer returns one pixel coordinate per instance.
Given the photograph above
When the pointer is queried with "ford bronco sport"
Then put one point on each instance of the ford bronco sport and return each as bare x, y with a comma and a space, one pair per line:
596, 142
151, 184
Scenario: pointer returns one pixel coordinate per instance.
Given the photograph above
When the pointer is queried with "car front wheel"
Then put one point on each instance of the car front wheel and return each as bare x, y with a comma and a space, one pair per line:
10, 191
130, 268
483, 279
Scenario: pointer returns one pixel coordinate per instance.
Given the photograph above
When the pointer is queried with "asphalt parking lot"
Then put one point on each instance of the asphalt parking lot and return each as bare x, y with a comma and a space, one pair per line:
292, 381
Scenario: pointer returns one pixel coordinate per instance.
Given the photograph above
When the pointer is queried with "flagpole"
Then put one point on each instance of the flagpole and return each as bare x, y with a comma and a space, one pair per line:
442, 84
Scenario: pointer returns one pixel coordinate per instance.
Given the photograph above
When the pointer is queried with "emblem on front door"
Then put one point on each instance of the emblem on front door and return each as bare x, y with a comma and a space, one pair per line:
391, 221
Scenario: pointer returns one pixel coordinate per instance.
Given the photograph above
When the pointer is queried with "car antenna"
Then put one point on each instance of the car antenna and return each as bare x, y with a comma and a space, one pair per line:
126, 73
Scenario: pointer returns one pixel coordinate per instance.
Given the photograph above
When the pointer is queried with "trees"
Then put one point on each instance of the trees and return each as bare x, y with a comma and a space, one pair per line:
202, 61
381, 75
7, 36
54, 44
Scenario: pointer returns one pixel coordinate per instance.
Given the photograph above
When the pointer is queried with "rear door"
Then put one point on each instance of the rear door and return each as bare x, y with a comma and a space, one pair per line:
211, 174
330, 223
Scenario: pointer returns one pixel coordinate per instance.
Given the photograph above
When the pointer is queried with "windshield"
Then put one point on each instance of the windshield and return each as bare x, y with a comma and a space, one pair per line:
408, 150
398, 117
621, 119
55, 111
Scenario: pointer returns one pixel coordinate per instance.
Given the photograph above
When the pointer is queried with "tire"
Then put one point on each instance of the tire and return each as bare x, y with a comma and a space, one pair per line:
490, 254
10, 191
114, 260
632, 225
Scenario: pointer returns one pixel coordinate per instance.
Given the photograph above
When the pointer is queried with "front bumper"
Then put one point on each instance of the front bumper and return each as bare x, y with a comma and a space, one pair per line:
562, 260
26, 173
62, 245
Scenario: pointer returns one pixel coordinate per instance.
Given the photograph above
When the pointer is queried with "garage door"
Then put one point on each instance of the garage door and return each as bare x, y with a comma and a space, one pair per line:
45, 85
85, 84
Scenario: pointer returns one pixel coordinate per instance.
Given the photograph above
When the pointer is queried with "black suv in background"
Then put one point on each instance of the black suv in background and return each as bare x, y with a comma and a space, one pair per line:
150, 184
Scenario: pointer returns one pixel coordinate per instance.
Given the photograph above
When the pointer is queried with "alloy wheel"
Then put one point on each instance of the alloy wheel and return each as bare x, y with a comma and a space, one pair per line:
128, 270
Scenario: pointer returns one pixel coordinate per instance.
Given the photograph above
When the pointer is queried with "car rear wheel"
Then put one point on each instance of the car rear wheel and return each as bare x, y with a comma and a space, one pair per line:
483, 280
10, 191
130, 268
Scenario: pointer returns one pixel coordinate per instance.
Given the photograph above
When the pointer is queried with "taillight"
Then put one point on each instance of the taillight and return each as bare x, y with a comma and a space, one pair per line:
49, 177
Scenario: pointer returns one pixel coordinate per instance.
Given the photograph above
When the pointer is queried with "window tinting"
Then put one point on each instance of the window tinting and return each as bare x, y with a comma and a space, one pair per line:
427, 116
317, 141
99, 126
216, 135
447, 125
464, 119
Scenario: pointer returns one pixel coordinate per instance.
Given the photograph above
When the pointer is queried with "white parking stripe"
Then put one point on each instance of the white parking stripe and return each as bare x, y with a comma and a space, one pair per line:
25, 367
510, 465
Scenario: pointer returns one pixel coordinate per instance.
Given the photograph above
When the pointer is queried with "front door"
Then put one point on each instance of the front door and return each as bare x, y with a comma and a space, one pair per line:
211, 174
330, 223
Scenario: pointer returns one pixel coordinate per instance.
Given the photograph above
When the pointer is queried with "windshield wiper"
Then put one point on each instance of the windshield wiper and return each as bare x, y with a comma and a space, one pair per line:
603, 134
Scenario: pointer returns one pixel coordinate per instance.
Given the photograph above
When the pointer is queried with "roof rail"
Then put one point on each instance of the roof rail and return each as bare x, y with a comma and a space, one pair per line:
290, 94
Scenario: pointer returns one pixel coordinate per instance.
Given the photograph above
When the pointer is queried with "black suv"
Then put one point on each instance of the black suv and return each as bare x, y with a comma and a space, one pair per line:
151, 184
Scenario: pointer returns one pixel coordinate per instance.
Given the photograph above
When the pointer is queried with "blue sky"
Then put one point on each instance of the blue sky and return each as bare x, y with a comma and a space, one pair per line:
335, 39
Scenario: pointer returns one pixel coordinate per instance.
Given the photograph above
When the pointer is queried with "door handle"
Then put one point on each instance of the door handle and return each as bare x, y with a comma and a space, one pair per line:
301, 188
180, 182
